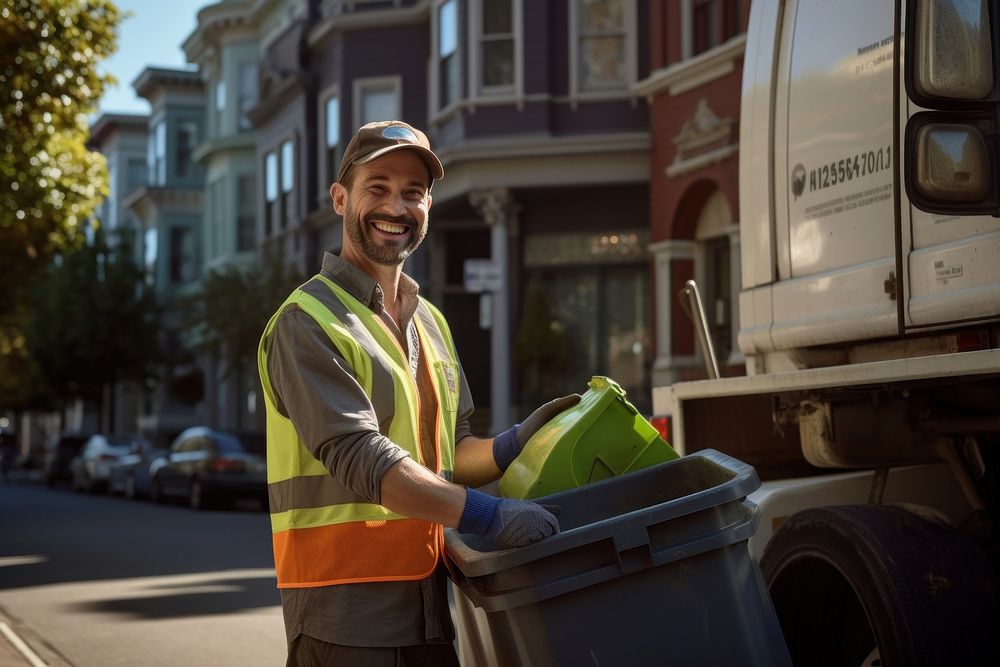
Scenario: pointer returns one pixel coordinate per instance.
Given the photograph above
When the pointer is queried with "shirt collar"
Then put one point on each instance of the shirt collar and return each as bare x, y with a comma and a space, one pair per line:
365, 289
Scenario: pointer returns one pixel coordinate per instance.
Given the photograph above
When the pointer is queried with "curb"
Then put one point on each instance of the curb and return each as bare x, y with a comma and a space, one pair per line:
20, 646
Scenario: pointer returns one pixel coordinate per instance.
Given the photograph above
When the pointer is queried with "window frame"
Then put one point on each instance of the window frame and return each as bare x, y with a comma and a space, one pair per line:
158, 153
631, 66
219, 93
328, 170
436, 82
245, 211
477, 86
179, 237
245, 98
359, 88
286, 191
184, 168
687, 25
270, 156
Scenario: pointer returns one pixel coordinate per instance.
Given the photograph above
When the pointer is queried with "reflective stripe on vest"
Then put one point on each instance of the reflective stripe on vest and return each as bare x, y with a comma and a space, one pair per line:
324, 533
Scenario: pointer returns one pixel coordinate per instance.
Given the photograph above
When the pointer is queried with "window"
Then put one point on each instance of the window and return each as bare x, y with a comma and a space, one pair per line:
332, 137
149, 248
497, 44
248, 93
217, 193
220, 104
270, 190
586, 302
601, 58
597, 323
187, 137
183, 268
136, 174
719, 295
157, 157
287, 181
245, 232
377, 99
151, 157
447, 48
713, 22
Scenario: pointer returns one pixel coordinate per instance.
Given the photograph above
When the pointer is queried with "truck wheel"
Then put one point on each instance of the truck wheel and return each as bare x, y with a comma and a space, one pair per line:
878, 584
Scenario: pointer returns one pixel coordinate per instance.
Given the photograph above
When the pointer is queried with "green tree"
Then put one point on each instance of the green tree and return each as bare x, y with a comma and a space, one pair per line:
230, 311
49, 181
93, 323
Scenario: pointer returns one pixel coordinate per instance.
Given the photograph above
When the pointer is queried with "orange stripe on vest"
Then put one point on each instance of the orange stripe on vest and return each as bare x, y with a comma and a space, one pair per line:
356, 551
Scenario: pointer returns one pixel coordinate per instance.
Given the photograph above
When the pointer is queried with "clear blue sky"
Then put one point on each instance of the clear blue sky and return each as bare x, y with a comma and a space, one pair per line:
152, 35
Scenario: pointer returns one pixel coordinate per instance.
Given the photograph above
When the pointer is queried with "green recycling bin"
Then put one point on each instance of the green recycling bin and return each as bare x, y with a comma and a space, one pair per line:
602, 436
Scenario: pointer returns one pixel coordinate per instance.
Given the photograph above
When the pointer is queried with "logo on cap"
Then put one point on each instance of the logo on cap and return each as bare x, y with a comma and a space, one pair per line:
399, 132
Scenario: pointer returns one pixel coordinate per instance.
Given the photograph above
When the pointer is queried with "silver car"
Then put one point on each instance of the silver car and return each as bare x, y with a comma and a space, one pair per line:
90, 469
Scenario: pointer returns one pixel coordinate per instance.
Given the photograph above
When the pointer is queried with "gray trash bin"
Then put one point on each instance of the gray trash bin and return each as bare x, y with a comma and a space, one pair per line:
650, 568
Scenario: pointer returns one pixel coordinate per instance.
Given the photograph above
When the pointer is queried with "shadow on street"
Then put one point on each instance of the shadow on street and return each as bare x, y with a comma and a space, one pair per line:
55, 536
236, 594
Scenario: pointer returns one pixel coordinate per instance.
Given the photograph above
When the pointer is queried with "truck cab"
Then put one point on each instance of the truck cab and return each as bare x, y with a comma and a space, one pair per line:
869, 316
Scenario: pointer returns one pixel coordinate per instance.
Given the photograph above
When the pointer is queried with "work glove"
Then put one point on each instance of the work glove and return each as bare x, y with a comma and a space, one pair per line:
509, 444
505, 522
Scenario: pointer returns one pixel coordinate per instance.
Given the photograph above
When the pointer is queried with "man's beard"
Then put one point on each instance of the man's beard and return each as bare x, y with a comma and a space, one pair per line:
360, 234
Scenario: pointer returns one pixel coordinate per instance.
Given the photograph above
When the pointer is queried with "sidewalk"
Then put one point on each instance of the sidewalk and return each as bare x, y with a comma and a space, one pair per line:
19, 647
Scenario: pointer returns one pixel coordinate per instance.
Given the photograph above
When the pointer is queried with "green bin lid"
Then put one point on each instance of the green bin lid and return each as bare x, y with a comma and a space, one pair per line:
602, 436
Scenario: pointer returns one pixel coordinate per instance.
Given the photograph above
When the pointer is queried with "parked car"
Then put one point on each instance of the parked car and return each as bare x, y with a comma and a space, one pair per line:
130, 474
89, 469
58, 458
210, 468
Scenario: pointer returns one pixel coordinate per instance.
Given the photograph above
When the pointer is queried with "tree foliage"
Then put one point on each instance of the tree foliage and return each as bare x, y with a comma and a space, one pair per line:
49, 181
93, 323
49, 83
234, 305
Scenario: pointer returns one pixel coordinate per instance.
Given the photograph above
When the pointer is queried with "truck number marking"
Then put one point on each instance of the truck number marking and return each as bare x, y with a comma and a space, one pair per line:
847, 169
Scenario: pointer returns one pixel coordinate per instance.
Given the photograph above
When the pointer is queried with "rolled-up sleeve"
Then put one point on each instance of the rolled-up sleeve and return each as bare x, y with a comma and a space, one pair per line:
465, 408
316, 388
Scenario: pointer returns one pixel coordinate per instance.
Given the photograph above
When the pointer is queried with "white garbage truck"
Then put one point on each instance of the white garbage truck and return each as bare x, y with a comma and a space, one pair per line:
869, 318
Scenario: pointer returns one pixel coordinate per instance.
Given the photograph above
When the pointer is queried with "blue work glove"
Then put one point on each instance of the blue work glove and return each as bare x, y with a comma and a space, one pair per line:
509, 444
506, 522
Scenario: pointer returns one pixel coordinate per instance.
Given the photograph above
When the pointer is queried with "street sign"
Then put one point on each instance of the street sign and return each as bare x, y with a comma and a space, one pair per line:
482, 275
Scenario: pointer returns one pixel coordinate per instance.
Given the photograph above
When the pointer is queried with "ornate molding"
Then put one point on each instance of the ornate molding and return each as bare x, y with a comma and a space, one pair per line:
686, 75
495, 205
704, 139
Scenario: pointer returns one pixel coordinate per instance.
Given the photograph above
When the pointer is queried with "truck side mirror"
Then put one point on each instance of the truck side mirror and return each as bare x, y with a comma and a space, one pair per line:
952, 153
951, 163
951, 48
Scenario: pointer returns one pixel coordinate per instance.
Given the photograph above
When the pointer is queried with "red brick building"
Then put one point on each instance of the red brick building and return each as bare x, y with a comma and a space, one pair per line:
693, 90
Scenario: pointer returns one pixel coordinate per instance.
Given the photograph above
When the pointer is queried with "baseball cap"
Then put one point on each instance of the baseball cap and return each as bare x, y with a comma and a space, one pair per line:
374, 140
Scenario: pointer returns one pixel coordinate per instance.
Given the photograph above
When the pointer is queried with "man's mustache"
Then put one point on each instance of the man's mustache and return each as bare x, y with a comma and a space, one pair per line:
407, 220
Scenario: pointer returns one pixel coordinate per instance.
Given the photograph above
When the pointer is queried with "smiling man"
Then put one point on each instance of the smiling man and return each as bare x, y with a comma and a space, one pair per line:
369, 447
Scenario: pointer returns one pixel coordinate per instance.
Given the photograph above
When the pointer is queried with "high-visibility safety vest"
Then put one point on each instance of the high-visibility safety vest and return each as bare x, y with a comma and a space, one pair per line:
324, 533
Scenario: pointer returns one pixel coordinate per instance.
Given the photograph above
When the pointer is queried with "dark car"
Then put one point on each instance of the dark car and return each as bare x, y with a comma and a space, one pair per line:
210, 468
59, 457
130, 474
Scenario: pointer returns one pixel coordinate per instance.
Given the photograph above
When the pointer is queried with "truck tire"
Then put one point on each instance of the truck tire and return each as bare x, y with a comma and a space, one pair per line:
880, 585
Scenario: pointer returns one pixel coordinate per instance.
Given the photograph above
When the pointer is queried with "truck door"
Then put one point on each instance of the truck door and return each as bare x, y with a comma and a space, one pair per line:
834, 210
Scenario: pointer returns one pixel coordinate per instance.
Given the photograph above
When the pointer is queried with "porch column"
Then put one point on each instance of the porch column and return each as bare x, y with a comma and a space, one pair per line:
675, 347
495, 207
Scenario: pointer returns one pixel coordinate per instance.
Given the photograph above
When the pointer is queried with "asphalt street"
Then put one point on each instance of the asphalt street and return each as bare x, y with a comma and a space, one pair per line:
102, 581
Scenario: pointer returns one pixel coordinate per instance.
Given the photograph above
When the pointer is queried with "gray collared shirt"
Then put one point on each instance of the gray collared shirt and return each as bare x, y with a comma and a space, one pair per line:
317, 390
